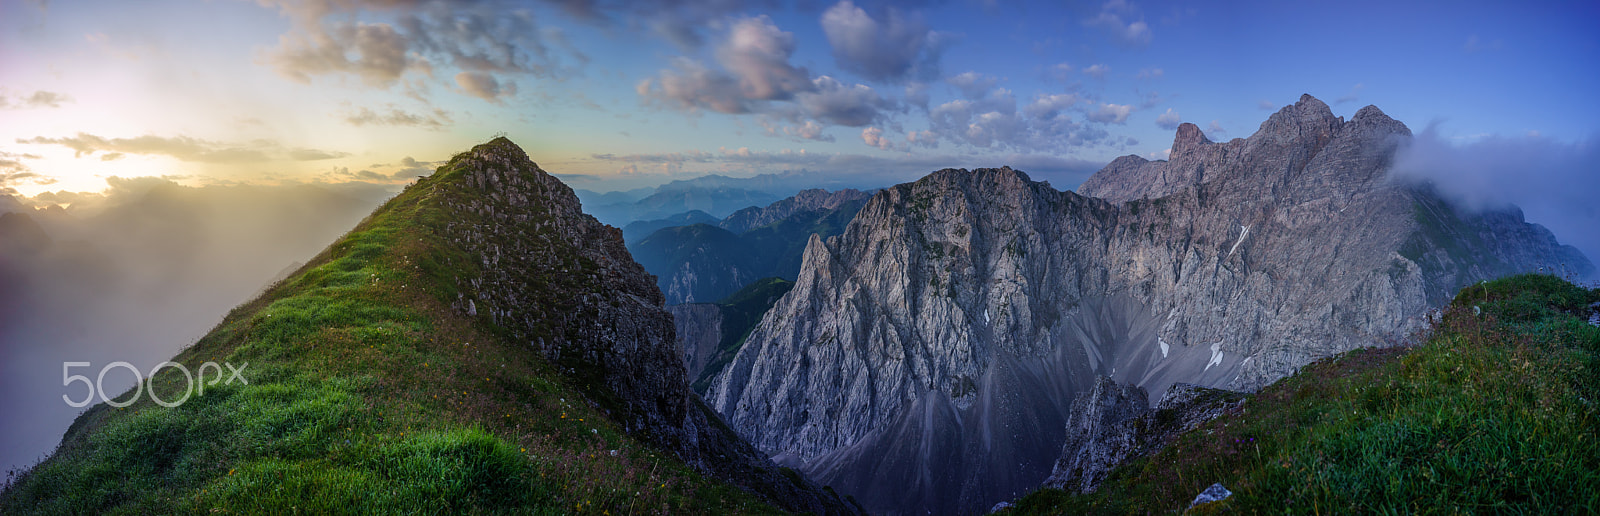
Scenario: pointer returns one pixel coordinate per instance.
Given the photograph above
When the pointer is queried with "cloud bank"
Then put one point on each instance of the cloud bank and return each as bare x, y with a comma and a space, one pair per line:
1555, 183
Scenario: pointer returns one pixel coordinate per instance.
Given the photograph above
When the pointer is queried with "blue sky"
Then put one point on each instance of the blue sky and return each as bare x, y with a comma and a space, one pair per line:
616, 95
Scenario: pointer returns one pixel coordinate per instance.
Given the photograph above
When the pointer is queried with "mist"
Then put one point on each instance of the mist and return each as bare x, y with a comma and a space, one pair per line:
1555, 183
136, 274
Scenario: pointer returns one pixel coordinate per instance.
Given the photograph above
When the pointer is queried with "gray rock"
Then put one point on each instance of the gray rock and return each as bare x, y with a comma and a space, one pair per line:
699, 330
1215, 493
1110, 425
928, 357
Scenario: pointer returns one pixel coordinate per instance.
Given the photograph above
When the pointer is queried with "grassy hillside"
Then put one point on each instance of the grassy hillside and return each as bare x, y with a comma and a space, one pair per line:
367, 394
1494, 411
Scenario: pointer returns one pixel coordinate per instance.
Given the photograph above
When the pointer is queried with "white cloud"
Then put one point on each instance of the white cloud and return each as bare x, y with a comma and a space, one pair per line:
757, 54
1111, 113
1098, 71
972, 84
873, 137
1169, 120
1122, 22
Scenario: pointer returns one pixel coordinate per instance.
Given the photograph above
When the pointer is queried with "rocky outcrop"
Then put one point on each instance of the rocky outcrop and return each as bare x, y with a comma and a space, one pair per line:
556, 278
1111, 425
951, 326
1097, 439
699, 331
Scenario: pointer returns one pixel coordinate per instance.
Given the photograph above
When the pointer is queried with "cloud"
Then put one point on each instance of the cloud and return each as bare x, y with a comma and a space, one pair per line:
185, 148
397, 117
1150, 73
1098, 71
1169, 120
896, 49
917, 95
1111, 113
1121, 20
380, 53
690, 86
756, 77
811, 130
833, 102
1265, 104
679, 22
757, 54
1214, 129
1050, 106
1354, 95
1551, 180
873, 137
484, 86
489, 39
1058, 71
755, 62
973, 85
39, 99
1045, 124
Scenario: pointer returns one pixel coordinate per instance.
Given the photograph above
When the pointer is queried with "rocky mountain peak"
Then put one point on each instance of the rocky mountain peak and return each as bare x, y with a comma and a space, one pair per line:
1307, 118
1189, 137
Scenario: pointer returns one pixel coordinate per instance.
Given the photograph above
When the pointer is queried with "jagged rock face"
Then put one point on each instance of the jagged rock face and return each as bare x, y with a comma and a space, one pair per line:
1111, 424
956, 308
815, 199
558, 279
699, 330
1096, 439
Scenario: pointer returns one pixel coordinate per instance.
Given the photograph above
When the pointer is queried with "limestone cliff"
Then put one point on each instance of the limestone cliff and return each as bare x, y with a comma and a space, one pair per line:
929, 356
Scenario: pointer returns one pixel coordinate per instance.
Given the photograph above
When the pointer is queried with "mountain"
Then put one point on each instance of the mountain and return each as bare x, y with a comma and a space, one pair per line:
929, 356
812, 200
637, 230
715, 194
698, 263
718, 201
477, 344
704, 262
593, 198
711, 333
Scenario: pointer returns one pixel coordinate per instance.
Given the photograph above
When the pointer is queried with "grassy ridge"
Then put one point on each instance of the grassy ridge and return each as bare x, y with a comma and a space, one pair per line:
1495, 411
367, 394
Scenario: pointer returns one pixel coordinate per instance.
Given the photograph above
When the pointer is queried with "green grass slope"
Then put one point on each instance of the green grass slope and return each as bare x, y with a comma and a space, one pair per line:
1494, 411
367, 394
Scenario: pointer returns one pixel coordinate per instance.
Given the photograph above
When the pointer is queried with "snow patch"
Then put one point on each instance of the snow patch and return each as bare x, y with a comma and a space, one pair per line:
1244, 231
1164, 347
1216, 356
986, 316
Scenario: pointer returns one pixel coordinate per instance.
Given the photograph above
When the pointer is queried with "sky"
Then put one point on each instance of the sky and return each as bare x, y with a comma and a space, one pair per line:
619, 95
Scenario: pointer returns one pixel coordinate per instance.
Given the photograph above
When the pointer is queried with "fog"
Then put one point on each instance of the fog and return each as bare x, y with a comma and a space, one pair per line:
136, 274
1557, 184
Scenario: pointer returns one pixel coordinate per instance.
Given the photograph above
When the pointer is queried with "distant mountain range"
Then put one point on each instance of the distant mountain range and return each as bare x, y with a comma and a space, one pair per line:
714, 194
704, 262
